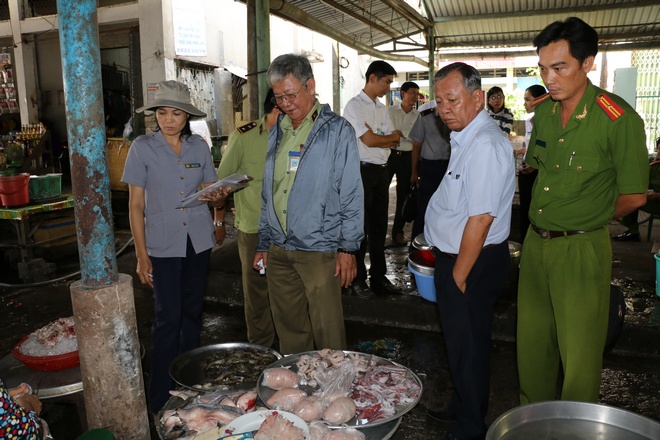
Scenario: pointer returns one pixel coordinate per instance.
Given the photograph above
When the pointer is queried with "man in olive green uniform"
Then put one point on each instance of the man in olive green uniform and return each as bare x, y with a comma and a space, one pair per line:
246, 154
589, 148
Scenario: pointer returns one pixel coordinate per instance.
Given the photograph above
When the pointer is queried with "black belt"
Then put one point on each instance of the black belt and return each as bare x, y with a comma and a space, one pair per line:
554, 234
437, 252
373, 165
434, 160
400, 153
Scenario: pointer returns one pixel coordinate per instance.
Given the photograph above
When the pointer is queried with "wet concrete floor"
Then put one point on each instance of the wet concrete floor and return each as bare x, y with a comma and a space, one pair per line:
631, 374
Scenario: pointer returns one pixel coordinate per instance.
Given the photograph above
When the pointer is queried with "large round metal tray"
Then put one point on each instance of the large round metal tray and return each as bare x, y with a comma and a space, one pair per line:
572, 421
373, 432
290, 361
188, 369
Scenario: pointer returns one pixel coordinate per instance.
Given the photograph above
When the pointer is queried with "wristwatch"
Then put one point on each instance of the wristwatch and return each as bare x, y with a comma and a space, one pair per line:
218, 223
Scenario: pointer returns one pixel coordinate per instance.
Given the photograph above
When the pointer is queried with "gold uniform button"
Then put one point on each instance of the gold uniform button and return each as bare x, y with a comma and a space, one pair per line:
181, 177
547, 188
540, 211
579, 168
561, 140
181, 192
557, 165
185, 223
179, 162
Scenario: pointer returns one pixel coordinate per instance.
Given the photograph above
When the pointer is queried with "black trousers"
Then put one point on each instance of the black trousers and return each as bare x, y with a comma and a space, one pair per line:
466, 320
375, 181
525, 185
431, 173
179, 286
400, 163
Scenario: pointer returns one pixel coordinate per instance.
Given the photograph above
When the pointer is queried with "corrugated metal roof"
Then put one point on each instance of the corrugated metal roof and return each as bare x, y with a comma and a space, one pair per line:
388, 24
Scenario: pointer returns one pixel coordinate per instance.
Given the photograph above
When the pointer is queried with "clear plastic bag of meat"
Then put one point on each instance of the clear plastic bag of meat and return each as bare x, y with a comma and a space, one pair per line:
336, 383
321, 431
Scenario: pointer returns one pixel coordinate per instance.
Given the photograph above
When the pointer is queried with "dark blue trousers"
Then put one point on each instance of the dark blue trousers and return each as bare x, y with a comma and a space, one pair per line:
179, 286
466, 320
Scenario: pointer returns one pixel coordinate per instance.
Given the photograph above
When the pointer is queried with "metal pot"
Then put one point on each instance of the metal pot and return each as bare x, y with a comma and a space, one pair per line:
572, 420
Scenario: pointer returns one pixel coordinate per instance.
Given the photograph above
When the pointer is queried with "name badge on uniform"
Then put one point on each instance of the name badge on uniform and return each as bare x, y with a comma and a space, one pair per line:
294, 161
193, 165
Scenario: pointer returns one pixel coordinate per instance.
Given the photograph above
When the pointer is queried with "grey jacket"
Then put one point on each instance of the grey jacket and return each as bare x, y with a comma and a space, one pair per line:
325, 209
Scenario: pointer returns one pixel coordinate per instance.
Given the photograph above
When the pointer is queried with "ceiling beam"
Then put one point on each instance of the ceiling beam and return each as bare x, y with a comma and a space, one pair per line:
286, 10
533, 12
361, 18
407, 11
526, 38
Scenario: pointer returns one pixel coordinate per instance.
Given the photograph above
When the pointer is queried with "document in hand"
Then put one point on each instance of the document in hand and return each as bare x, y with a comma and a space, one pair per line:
235, 181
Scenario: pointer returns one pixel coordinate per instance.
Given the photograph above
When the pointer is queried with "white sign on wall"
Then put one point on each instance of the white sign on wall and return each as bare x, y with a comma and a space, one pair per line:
189, 29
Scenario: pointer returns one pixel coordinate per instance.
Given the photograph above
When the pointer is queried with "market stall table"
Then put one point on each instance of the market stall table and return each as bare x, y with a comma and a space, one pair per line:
26, 221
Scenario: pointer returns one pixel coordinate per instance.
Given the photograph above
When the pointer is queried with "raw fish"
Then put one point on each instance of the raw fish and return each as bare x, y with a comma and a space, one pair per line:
276, 427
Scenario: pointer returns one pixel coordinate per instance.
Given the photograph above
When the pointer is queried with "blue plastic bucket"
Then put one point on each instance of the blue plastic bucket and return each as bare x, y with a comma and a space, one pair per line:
657, 274
423, 273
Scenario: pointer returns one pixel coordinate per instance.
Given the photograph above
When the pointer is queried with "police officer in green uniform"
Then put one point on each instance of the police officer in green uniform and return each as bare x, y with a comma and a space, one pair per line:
589, 148
246, 154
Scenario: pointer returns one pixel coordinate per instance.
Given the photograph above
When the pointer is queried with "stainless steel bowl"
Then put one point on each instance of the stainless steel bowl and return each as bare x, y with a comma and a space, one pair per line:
420, 243
572, 421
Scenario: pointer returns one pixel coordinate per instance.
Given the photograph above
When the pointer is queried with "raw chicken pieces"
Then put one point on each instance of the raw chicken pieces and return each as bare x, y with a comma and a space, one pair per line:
279, 378
276, 427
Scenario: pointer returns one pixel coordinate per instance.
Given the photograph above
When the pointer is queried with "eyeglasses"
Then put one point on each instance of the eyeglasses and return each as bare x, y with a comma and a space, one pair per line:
496, 97
287, 97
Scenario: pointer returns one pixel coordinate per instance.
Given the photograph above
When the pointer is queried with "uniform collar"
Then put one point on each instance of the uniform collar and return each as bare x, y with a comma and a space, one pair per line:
583, 109
311, 117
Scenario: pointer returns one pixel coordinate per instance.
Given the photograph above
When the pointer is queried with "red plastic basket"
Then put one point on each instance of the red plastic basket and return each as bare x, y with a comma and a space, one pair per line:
47, 363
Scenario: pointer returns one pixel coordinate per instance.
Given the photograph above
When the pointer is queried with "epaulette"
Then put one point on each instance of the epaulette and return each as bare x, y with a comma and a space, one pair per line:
427, 111
610, 107
247, 127
540, 99
315, 115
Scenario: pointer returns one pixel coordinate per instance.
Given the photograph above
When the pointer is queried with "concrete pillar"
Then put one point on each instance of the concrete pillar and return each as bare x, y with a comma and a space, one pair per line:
430, 36
156, 43
25, 68
336, 79
110, 358
253, 66
102, 300
262, 18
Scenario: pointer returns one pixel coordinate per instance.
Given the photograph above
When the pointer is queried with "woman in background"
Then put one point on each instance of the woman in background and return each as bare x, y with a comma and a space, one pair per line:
497, 111
527, 175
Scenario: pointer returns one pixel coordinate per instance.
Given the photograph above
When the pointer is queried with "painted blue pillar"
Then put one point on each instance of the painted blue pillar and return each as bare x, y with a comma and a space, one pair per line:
83, 93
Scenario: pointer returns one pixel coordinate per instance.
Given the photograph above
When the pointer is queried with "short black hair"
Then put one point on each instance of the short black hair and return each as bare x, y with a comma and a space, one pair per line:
408, 85
471, 76
536, 90
493, 90
582, 39
380, 69
268, 102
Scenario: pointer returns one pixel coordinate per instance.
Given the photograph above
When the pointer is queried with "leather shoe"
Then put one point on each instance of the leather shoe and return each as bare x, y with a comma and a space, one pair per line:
627, 236
382, 286
361, 290
441, 415
399, 239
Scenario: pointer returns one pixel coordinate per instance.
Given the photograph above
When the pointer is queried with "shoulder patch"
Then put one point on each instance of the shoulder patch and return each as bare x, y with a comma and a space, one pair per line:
540, 99
247, 127
315, 115
610, 107
427, 111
